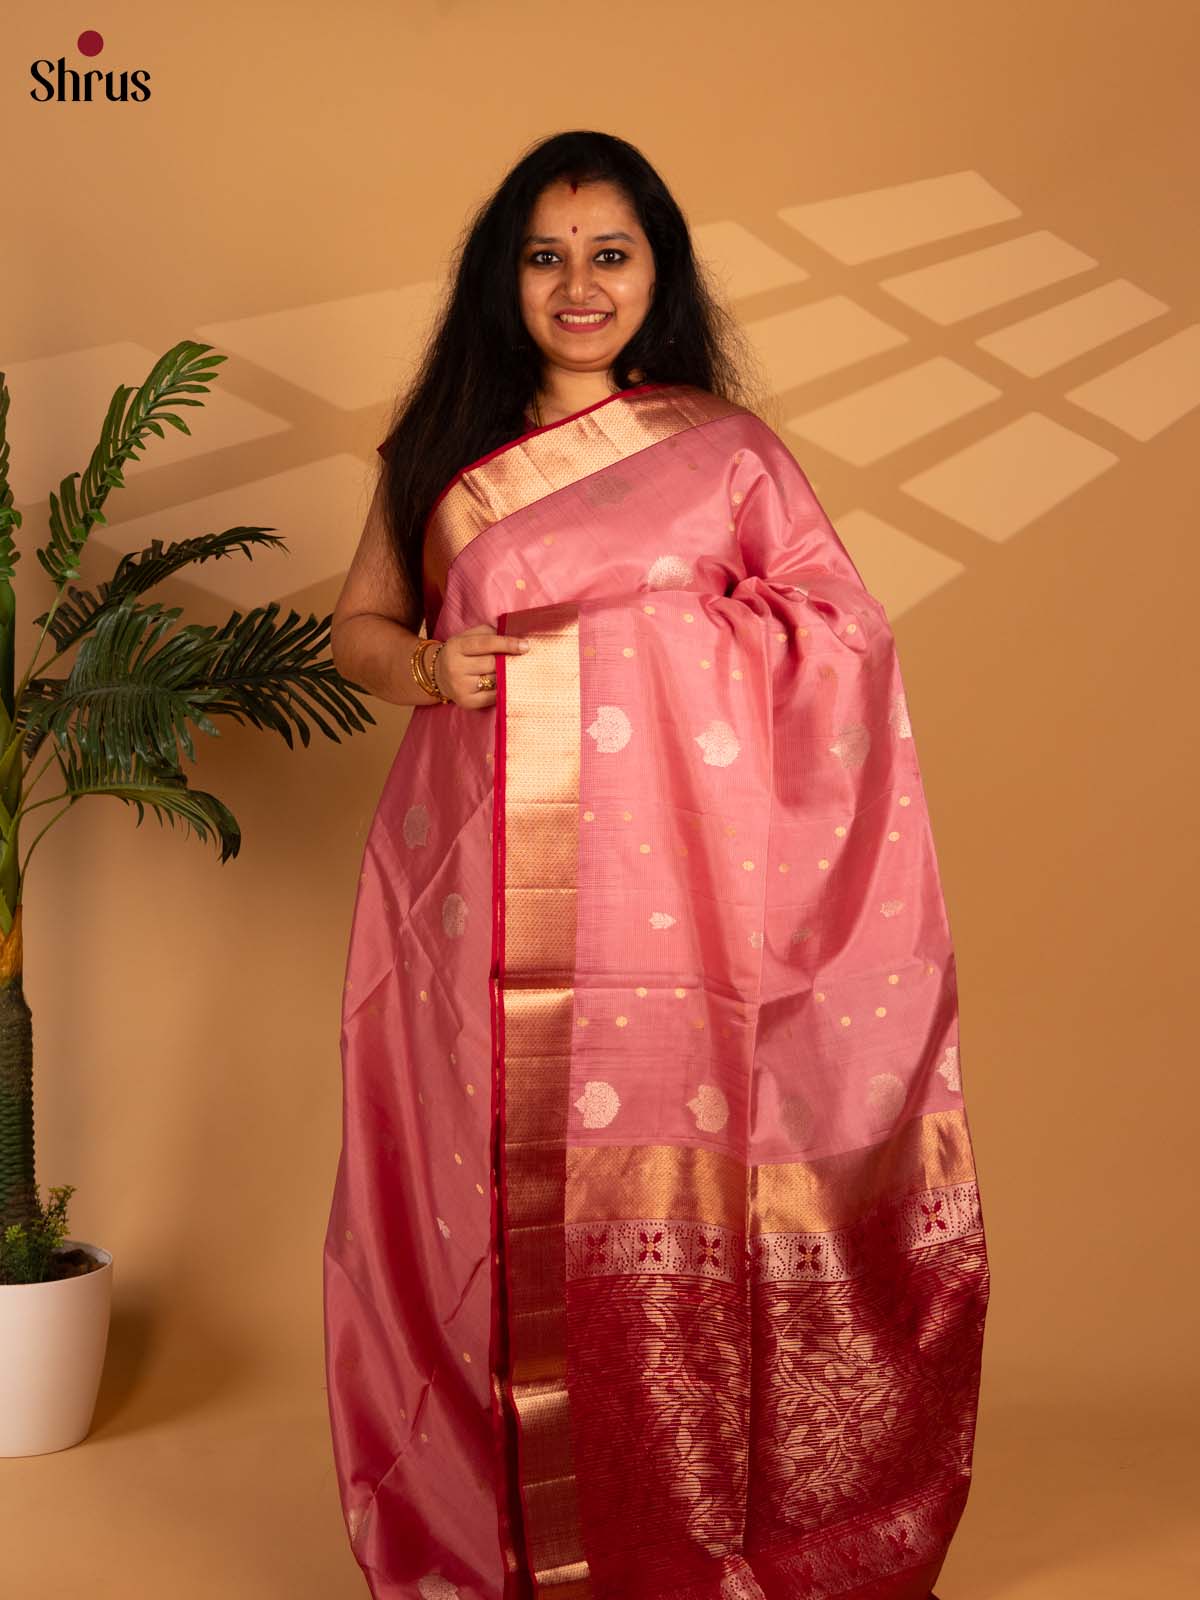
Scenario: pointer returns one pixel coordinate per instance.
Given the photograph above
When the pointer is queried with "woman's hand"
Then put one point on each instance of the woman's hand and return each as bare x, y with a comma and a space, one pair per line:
463, 656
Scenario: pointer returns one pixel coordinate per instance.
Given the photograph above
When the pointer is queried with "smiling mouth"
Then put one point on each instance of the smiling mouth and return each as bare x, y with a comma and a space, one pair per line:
582, 319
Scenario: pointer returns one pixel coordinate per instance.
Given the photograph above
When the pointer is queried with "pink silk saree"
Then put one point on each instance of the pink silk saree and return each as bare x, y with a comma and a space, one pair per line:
655, 1267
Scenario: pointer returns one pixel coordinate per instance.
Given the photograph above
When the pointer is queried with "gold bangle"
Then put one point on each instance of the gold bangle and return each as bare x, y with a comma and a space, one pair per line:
422, 666
428, 682
425, 659
430, 661
422, 672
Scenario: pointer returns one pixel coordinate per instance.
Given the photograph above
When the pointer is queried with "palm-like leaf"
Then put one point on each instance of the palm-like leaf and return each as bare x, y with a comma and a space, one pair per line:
124, 699
74, 510
163, 789
271, 675
141, 570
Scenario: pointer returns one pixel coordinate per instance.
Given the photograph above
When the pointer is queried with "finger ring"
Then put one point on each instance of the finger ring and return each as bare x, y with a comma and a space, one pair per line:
485, 680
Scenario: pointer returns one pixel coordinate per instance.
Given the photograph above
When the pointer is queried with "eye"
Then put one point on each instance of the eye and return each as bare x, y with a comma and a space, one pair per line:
610, 250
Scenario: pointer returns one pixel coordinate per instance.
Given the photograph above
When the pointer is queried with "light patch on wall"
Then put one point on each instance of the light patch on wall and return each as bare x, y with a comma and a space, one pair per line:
353, 352
1003, 482
742, 262
1062, 333
948, 291
883, 417
897, 569
881, 222
1151, 390
803, 344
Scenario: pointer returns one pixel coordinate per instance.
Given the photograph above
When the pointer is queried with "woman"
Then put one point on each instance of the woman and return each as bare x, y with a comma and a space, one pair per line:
655, 1266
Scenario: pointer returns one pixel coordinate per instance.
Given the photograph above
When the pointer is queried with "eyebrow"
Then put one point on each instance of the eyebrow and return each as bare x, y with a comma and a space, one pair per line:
550, 238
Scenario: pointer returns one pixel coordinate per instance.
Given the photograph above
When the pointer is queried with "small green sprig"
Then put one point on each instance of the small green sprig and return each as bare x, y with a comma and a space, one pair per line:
26, 1251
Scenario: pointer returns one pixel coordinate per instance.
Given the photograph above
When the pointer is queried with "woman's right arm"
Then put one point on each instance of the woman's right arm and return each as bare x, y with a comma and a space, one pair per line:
377, 618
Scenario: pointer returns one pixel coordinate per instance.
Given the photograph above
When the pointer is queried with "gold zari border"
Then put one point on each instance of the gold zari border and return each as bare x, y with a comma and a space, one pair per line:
556, 458
667, 1247
628, 1182
541, 824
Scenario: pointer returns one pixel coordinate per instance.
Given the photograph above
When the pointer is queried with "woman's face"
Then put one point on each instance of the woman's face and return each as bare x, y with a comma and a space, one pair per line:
584, 253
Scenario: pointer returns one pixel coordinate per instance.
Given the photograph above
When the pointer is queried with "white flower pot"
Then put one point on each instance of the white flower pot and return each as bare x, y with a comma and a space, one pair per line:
52, 1342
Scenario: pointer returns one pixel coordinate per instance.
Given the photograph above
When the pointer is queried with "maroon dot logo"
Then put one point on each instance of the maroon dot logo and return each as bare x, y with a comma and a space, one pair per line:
89, 43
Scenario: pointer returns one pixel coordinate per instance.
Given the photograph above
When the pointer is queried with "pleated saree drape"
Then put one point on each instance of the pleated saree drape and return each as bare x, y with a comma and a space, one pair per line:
655, 1267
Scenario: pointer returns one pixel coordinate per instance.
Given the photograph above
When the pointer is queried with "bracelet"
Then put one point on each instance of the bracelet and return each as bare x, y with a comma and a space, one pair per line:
423, 672
421, 669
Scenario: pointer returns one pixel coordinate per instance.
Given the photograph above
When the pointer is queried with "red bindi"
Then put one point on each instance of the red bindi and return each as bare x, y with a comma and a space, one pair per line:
574, 229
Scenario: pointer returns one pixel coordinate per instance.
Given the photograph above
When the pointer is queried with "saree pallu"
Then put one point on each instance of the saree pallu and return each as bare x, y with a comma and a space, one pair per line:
655, 1267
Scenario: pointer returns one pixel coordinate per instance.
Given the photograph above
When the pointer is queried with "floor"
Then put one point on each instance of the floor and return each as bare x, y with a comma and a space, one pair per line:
1071, 1501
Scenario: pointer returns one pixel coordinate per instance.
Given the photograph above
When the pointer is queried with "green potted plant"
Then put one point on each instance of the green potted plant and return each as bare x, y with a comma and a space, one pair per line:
111, 723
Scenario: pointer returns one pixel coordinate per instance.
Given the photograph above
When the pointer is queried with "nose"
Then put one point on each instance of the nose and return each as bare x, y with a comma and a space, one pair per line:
579, 280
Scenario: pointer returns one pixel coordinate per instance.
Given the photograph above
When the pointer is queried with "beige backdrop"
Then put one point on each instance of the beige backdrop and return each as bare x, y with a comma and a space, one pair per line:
963, 239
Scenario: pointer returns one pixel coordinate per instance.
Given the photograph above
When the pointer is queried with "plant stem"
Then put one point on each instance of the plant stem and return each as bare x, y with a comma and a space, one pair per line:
18, 1187
32, 667
48, 801
50, 824
28, 785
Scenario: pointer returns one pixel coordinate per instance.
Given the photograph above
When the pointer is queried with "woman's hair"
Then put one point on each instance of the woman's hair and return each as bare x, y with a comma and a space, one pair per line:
479, 368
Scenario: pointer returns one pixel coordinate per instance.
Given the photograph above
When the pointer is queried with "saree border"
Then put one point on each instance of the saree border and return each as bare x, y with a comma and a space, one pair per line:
516, 1583
929, 1153
536, 807
550, 458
